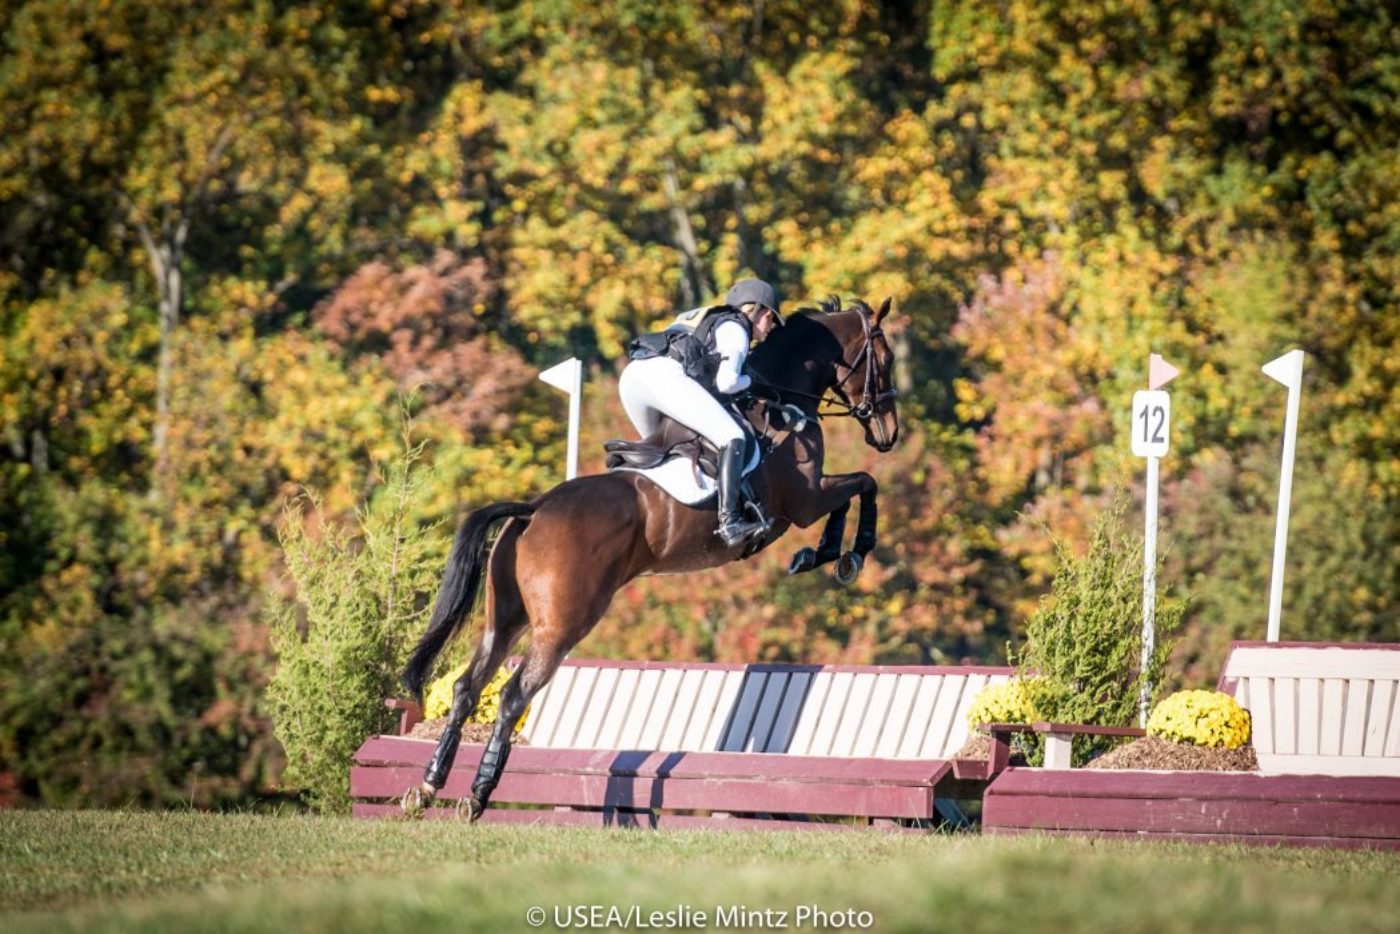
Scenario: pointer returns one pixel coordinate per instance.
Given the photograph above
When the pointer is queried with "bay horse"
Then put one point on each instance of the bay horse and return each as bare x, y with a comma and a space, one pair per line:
558, 561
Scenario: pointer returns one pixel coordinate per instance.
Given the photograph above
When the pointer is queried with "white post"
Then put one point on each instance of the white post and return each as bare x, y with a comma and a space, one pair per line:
568, 377
1149, 585
1287, 370
1151, 439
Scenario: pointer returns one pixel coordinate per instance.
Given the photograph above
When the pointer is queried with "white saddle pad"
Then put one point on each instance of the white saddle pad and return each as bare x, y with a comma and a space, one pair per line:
682, 482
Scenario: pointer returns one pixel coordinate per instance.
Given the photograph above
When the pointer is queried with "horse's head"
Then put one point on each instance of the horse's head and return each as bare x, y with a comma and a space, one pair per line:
865, 375
835, 351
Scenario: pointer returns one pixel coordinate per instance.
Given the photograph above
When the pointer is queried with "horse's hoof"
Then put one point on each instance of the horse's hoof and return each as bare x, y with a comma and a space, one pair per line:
470, 809
803, 560
415, 801
848, 567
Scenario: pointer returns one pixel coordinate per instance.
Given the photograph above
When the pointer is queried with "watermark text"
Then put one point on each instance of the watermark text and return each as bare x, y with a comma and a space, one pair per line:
582, 917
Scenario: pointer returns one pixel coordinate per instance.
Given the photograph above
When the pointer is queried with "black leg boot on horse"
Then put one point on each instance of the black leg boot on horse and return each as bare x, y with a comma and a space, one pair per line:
734, 529
497, 751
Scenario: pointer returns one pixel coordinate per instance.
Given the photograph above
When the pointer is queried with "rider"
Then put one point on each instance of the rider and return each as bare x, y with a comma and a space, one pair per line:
681, 371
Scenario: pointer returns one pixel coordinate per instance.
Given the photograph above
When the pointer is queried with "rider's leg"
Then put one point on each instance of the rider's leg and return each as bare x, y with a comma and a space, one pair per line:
663, 387
658, 386
638, 388
734, 529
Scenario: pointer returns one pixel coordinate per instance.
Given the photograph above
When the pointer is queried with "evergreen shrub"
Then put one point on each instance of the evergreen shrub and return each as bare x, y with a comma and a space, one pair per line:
363, 591
1083, 647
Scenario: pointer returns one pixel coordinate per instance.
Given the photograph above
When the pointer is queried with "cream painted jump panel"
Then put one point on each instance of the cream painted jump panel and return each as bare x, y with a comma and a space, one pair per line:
805, 736
925, 699
847, 711
1330, 709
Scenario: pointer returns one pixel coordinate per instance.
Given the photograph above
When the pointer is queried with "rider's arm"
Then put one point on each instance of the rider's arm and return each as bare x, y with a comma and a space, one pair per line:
732, 342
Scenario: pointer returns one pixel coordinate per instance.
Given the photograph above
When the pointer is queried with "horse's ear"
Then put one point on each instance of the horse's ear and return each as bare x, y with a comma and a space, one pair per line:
884, 310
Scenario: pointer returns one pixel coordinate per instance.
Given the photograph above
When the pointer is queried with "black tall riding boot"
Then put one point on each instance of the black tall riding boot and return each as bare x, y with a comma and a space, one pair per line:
734, 529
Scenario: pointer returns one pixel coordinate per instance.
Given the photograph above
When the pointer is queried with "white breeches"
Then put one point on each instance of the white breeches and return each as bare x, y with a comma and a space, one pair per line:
658, 386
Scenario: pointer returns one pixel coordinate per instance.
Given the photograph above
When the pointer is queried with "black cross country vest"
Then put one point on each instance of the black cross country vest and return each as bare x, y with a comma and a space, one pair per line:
690, 341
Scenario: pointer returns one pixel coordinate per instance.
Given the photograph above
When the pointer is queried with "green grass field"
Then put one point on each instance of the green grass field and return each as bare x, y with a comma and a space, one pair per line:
207, 872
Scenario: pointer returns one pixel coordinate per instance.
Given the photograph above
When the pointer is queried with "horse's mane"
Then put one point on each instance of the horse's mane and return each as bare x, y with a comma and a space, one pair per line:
831, 305
806, 332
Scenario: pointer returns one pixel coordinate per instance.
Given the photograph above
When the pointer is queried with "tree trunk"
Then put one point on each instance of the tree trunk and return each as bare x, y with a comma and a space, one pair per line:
39, 452
167, 255
165, 267
695, 285
903, 365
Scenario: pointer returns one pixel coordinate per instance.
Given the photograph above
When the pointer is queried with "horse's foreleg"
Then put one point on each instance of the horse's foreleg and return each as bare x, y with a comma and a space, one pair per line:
831, 496
869, 517
849, 564
828, 548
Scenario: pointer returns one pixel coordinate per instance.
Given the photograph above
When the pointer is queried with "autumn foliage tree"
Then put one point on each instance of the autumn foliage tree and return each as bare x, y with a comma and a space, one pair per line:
236, 237
429, 327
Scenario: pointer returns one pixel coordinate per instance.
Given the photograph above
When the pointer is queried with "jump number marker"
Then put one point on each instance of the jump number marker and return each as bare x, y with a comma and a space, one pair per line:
1152, 415
1152, 419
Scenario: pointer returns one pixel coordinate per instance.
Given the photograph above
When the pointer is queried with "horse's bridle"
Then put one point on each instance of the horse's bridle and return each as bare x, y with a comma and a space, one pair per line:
869, 397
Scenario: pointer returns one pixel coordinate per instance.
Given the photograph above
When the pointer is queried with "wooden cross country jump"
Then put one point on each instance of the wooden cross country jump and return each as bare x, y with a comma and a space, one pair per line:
662, 744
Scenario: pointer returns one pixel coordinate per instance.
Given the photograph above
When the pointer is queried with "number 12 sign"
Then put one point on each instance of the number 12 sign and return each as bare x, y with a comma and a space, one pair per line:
1152, 416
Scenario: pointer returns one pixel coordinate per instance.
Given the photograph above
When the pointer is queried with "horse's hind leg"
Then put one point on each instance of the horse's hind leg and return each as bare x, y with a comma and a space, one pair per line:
571, 607
584, 541
533, 674
505, 620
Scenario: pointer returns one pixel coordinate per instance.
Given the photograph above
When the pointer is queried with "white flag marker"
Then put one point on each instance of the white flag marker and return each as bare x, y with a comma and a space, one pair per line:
568, 377
1151, 427
1287, 370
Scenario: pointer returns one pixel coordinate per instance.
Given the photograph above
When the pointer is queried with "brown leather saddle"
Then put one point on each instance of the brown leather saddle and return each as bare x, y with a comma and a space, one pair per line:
673, 440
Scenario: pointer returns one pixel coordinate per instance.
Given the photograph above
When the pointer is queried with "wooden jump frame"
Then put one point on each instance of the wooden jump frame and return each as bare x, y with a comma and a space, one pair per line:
1326, 730
1321, 708
833, 747
660, 744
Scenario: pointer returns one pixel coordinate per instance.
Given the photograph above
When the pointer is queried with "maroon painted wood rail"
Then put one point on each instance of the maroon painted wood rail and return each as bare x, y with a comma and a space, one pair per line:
1345, 811
638, 788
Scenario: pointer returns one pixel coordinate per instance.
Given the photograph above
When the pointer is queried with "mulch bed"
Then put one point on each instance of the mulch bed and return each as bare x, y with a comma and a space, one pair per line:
979, 746
471, 733
1149, 752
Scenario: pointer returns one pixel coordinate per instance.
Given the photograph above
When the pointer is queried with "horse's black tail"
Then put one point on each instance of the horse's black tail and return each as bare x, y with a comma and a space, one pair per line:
458, 589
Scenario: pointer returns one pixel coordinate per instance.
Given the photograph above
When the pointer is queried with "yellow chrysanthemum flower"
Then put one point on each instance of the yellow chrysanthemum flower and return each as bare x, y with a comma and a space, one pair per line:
438, 699
1201, 718
1007, 702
